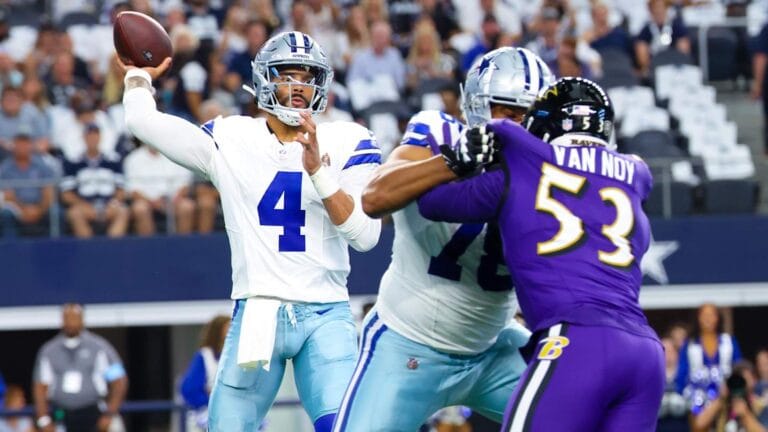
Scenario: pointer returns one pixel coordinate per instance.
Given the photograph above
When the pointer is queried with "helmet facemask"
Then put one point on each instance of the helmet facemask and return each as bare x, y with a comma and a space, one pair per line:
281, 53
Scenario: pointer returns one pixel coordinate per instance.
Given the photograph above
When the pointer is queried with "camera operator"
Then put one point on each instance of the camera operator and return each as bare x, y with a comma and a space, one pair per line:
737, 409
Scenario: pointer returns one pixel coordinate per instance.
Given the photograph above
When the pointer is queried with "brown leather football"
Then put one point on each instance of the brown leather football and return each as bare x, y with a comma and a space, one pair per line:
140, 40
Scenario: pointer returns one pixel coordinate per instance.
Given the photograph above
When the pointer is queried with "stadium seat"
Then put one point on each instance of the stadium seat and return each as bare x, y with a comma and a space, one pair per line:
78, 18
722, 46
653, 144
670, 56
638, 119
681, 199
730, 196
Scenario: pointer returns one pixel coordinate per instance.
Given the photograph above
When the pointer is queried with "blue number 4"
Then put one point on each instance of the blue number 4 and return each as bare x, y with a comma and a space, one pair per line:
286, 184
445, 264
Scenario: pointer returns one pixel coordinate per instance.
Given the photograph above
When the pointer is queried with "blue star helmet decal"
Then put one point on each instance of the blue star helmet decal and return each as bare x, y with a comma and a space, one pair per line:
485, 64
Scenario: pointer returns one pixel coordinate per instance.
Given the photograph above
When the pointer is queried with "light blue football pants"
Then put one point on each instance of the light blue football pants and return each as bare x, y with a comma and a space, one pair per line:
320, 339
399, 383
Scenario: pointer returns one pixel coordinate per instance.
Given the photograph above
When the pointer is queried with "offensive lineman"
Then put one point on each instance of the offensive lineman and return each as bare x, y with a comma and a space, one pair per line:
569, 210
290, 193
440, 333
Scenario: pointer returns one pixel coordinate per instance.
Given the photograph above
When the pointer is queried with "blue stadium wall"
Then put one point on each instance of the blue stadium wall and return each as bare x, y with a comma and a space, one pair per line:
721, 259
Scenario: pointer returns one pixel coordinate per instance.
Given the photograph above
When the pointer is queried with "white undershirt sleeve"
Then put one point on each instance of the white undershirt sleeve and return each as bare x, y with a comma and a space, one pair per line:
360, 231
179, 140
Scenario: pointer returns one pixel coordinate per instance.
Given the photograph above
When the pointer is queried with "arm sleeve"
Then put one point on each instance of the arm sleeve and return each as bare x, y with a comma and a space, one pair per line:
193, 384
473, 200
177, 139
681, 379
359, 230
114, 369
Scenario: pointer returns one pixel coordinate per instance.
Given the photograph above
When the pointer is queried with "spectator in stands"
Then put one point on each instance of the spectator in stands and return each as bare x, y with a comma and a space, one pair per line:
198, 380
375, 11
352, 39
443, 14
759, 90
678, 332
737, 407
68, 127
450, 95
323, 17
62, 82
673, 414
264, 10
472, 13
33, 91
380, 59
80, 373
256, 33
222, 87
490, 33
10, 75
39, 60
332, 112
16, 114
187, 77
25, 207
156, 186
204, 21
297, 21
761, 366
426, 61
664, 30
15, 400
567, 62
546, 43
603, 36
93, 190
706, 360
233, 32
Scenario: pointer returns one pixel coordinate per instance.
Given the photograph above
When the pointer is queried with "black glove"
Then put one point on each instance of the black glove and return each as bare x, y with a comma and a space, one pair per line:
475, 148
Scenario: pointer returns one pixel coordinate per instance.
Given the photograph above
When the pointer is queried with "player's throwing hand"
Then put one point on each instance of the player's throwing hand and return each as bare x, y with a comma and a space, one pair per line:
154, 72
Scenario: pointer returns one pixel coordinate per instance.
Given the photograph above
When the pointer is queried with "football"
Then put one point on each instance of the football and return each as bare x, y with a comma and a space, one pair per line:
140, 40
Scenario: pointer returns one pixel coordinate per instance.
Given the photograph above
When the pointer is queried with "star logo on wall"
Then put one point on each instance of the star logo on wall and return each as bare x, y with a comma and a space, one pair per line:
653, 260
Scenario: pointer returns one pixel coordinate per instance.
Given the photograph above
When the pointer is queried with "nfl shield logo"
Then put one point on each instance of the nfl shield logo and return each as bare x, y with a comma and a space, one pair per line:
567, 124
412, 364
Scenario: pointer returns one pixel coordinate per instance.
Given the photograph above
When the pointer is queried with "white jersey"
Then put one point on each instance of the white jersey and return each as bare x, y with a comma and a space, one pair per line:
447, 285
283, 243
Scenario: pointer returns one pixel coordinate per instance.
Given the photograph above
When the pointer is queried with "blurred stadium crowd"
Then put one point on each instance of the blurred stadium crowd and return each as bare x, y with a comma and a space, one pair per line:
68, 166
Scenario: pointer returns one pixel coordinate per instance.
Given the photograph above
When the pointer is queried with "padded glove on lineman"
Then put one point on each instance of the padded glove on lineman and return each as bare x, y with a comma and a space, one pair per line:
475, 148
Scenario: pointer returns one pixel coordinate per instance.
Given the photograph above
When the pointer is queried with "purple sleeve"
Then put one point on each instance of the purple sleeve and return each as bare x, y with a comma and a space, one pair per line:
476, 199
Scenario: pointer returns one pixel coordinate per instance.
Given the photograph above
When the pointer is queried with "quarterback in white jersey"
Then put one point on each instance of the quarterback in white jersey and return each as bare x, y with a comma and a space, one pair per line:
442, 331
290, 192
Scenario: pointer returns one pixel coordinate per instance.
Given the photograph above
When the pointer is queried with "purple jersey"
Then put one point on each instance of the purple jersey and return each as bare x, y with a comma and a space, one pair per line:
572, 225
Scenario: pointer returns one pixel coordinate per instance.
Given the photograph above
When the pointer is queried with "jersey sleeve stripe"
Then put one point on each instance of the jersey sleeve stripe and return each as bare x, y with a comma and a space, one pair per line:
374, 158
366, 144
207, 127
361, 152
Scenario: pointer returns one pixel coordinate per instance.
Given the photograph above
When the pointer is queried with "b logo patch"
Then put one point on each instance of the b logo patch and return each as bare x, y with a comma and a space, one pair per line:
552, 347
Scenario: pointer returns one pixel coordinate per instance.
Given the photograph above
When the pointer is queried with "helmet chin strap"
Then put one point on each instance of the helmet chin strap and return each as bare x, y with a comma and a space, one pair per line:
288, 116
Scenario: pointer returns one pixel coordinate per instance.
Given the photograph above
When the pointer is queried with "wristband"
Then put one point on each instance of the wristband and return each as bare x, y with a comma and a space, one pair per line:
324, 183
138, 73
43, 421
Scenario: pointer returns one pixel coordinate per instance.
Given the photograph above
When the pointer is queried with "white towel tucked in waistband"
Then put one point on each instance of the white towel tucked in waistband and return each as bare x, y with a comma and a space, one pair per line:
257, 333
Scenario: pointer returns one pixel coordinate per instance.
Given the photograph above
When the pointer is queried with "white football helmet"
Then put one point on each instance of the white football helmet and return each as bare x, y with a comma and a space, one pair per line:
290, 49
505, 76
